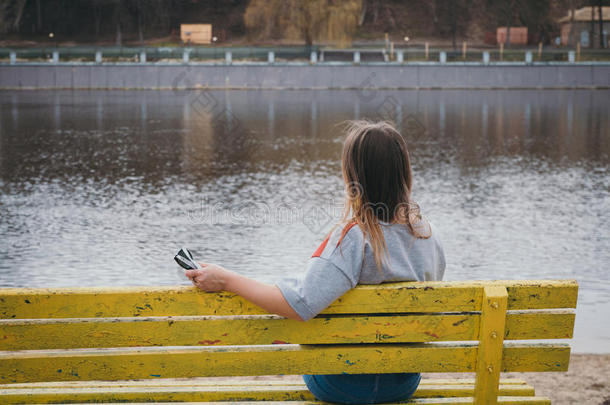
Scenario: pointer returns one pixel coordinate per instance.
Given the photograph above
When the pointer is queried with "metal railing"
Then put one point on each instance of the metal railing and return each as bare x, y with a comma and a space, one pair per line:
302, 54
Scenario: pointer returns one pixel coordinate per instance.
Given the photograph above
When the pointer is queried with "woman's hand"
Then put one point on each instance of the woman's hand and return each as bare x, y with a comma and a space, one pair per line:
210, 277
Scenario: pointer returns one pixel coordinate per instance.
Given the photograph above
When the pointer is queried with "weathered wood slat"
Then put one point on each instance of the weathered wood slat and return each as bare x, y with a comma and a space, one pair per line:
167, 301
216, 393
266, 329
224, 381
154, 362
508, 400
253, 330
539, 324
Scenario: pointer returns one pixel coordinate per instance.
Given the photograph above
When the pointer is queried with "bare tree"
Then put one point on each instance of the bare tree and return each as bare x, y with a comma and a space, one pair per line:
307, 20
11, 13
450, 17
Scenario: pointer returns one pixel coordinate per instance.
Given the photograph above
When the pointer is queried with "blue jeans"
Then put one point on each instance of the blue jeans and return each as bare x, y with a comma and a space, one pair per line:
362, 388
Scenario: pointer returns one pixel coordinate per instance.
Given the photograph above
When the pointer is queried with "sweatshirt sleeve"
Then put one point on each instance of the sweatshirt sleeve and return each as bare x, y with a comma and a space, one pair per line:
333, 270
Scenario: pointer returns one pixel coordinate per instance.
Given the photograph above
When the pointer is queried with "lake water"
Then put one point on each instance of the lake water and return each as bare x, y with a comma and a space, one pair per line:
103, 187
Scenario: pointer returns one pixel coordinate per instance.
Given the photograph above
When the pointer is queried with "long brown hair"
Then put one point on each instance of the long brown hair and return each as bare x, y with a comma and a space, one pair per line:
377, 173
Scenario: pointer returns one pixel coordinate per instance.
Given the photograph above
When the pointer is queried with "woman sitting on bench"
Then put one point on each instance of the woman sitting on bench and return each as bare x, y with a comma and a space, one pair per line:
382, 238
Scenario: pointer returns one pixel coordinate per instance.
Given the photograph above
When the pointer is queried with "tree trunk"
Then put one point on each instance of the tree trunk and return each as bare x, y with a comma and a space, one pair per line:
119, 35
17, 21
592, 30
453, 18
508, 25
118, 21
571, 33
363, 13
453, 38
390, 17
38, 17
97, 19
308, 39
375, 12
601, 24
140, 28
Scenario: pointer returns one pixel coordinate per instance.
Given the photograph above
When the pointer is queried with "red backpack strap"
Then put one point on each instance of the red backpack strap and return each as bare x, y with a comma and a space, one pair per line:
322, 246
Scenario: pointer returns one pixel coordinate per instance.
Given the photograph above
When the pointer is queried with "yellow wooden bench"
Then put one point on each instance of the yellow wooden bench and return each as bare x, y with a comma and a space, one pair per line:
90, 344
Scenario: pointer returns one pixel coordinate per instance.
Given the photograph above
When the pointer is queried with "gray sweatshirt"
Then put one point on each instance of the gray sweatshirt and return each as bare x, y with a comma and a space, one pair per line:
340, 263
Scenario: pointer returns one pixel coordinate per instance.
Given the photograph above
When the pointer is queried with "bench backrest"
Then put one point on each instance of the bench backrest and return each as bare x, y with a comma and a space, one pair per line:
152, 332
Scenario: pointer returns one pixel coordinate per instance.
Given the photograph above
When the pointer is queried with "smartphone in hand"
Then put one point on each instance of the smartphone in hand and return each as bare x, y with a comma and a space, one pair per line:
185, 259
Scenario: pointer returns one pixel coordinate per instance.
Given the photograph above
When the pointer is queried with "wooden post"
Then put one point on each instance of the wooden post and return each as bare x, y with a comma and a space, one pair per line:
491, 338
427, 50
391, 50
501, 50
387, 41
539, 50
578, 51
464, 48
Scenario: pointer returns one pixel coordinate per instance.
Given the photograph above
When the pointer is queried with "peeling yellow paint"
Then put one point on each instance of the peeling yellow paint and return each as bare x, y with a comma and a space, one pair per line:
254, 330
218, 393
428, 296
60, 338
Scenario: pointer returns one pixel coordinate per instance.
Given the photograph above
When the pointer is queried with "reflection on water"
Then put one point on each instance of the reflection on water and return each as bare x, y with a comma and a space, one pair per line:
101, 188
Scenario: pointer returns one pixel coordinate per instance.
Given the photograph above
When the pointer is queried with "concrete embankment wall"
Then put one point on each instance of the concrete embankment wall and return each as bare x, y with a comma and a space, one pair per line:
303, 76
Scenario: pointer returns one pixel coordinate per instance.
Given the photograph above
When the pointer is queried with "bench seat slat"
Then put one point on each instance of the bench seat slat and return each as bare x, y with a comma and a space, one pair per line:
502, 400
432, 296
262, 330
153, 362
224, 381
218, 393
